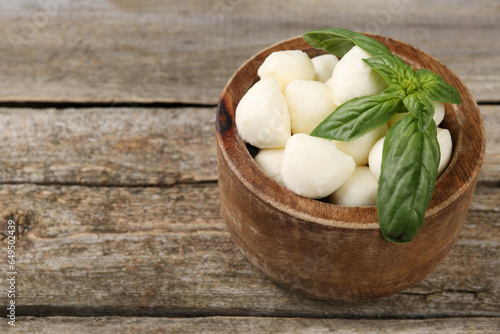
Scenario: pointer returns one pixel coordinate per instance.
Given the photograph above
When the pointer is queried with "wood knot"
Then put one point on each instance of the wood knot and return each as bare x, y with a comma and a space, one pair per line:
223, 121
24, 220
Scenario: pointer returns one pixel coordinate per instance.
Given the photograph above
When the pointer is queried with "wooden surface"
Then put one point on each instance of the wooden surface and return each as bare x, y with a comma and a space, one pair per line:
108, 165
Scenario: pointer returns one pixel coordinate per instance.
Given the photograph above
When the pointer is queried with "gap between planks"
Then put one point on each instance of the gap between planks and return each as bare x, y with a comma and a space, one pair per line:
160, 312
110, 185
96, 104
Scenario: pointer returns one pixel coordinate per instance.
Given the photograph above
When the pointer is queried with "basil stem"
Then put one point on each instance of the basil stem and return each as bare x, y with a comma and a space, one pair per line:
410, 161
421, 107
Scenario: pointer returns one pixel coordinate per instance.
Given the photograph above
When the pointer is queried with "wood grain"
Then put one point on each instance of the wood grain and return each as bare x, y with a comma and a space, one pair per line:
135, 146
253, 325
185, 51
490, 171
118, 208
107, 146
90, 251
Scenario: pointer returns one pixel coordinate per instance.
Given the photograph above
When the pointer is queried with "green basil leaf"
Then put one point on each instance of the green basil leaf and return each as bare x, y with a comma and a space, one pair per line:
421, 107
356, 117
436, 88
409, 170
395, 90
391, 68
339, 41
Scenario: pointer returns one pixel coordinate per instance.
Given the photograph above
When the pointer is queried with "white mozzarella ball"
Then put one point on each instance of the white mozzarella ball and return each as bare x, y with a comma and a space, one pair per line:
323, 66
446, 147
262, 116
359, 190
286, 66
329, 84
269, 160
314, 167
352, 77
360, 148
438, 114
309, 103
375, 158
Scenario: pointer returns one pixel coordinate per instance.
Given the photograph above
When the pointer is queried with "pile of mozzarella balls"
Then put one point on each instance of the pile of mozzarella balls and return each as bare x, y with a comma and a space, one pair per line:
294, 94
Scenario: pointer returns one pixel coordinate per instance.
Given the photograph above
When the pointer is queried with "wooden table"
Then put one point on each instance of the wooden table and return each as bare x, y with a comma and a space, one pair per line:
108, 167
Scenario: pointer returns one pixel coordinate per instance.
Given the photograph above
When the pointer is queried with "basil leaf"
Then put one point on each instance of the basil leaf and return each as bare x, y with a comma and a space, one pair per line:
421, 107
395, 90
409, 170
436, 88
339, 41
356, 117
391, 68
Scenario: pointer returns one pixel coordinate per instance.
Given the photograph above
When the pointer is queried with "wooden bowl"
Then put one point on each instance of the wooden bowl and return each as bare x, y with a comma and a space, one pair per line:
333, 252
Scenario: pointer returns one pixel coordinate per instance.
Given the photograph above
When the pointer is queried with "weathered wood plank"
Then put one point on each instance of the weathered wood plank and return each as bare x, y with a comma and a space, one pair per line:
252, 325
134, 146
107, 146
86, 251
185, 51
490, 172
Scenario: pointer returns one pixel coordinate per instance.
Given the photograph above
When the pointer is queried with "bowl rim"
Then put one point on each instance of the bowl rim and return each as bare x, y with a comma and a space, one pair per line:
448, 186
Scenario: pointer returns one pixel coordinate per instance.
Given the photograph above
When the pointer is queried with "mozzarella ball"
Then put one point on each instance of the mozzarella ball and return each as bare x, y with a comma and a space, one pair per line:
286, 66
359, 190
269, 160
438, 114
329, 84
309, 103
314, 167
446, 147
360, 148
323, 66
375, 158
352, 77
262, 116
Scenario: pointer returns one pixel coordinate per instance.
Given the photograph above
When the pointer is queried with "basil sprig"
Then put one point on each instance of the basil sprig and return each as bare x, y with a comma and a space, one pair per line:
411, 152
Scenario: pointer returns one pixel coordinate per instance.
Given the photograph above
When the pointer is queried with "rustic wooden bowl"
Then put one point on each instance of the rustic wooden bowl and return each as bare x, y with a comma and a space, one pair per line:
333, 252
